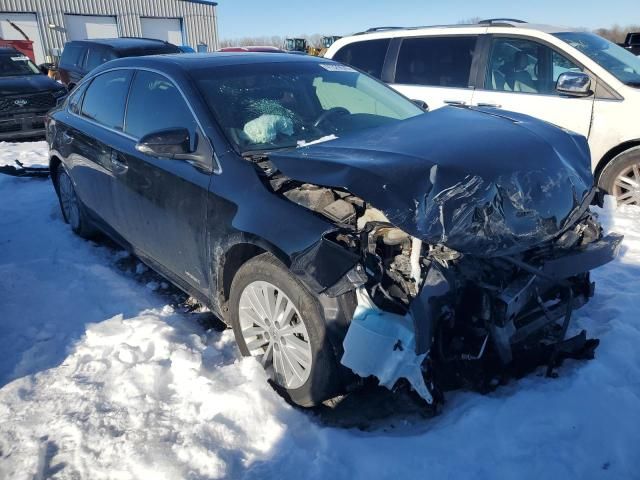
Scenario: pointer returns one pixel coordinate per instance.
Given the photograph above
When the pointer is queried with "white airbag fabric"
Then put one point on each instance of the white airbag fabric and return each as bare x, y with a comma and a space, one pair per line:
265, 128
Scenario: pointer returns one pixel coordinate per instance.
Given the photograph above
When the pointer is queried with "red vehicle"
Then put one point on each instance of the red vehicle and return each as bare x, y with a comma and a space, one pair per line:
264, 49
23, 46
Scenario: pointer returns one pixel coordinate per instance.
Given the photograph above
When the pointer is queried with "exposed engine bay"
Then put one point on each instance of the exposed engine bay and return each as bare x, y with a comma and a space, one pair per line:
467, 321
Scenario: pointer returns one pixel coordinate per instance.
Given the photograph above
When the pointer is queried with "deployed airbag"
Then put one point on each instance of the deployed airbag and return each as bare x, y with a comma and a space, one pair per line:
266, 128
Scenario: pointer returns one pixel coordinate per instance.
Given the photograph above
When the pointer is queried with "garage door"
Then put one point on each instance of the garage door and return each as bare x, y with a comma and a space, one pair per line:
28, 23
167, 29
81, 27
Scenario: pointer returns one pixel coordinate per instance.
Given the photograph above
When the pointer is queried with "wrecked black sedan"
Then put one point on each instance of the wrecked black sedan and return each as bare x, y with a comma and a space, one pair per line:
342, 231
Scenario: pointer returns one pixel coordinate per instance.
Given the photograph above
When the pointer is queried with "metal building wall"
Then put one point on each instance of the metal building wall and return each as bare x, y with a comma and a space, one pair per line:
199, 19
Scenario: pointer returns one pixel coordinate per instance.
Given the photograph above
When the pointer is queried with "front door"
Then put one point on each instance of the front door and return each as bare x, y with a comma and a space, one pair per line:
436, 70
161, 202
521, 76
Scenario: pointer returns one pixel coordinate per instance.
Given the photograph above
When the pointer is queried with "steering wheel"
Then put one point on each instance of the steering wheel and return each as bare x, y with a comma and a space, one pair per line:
329, 113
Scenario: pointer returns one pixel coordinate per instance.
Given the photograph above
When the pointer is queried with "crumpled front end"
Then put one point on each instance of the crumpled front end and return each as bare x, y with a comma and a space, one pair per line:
467, 269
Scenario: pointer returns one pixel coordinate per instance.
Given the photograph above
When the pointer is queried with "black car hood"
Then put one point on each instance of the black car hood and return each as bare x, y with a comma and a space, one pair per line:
483, 182
27, 84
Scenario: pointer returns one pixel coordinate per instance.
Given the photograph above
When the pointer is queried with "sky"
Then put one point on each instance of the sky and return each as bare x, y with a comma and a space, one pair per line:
252, 18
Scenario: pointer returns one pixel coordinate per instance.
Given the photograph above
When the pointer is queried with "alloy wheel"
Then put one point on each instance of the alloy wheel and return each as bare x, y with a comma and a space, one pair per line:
273, 330
626, 187
69, 201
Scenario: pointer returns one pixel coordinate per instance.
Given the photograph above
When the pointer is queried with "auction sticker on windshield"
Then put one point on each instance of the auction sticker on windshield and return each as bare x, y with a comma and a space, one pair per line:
334, 67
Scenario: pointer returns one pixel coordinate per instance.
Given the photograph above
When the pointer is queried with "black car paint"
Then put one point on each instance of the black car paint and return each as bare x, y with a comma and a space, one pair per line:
35, 94
160, 208
175, 205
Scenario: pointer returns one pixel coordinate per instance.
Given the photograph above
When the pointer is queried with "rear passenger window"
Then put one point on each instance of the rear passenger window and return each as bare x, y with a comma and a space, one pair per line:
105, 98
436, 61
72, 56
75, 100
156, 104
367, 56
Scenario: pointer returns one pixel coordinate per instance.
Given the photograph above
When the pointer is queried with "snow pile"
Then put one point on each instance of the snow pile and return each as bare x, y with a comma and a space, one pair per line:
30, 154
101, 379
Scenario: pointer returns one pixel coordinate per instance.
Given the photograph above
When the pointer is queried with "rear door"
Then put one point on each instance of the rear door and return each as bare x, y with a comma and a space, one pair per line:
521, 74
436, 69
94, 127
161, 202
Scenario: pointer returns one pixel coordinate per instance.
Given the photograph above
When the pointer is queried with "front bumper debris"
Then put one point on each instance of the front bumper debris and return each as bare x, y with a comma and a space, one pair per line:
21, 171
471, 333
382, 344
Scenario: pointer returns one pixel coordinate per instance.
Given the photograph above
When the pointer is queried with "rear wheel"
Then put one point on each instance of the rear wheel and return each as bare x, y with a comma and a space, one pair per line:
278, 321
72, 209
621, 178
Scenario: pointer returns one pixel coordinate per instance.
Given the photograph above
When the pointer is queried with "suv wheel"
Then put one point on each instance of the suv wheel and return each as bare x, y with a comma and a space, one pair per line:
276, 319
621, 178
72, 209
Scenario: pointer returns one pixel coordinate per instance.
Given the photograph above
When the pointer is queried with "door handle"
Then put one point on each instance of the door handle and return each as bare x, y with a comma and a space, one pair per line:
119, 167
455, 102
66, 138
489, 105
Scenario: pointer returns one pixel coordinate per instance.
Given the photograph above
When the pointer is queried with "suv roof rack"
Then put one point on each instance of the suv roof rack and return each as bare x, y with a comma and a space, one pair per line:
506, 21
381, 29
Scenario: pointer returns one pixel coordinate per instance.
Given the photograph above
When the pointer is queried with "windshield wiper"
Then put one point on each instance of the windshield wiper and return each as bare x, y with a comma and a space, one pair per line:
264, 154
255, 155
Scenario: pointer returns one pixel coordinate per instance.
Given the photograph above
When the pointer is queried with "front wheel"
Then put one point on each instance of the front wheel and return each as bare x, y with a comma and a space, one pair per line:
278, 321
621, 178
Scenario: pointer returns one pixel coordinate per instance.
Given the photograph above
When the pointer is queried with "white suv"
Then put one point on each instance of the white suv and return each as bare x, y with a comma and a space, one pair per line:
571, 78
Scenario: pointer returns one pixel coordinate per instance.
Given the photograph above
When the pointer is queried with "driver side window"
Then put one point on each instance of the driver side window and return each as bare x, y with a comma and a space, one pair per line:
169, 109
524, 66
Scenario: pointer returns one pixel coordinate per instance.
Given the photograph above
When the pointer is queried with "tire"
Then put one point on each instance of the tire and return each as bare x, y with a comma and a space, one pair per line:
72, 209
621, 177
273, 337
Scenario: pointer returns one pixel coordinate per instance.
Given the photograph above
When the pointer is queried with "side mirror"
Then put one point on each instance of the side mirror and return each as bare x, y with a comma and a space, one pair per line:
172, 143
576, 84
423, 105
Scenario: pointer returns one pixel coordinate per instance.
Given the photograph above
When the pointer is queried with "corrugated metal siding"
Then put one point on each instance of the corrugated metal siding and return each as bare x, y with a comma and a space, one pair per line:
199, 21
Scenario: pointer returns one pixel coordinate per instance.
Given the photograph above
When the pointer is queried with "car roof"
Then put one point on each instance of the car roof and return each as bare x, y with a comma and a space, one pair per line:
123, 43
251, 48
8, 50
201, 61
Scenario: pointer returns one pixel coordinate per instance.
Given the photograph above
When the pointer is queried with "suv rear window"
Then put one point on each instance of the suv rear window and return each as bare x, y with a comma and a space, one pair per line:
367, 55
72, 56
436, 61
97, 56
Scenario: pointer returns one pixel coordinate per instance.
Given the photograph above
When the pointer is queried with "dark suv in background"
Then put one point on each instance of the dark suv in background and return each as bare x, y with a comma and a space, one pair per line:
26, 95
80, 57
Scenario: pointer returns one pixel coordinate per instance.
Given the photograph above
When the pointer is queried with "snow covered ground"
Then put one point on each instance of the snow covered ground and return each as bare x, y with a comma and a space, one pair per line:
102, 378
